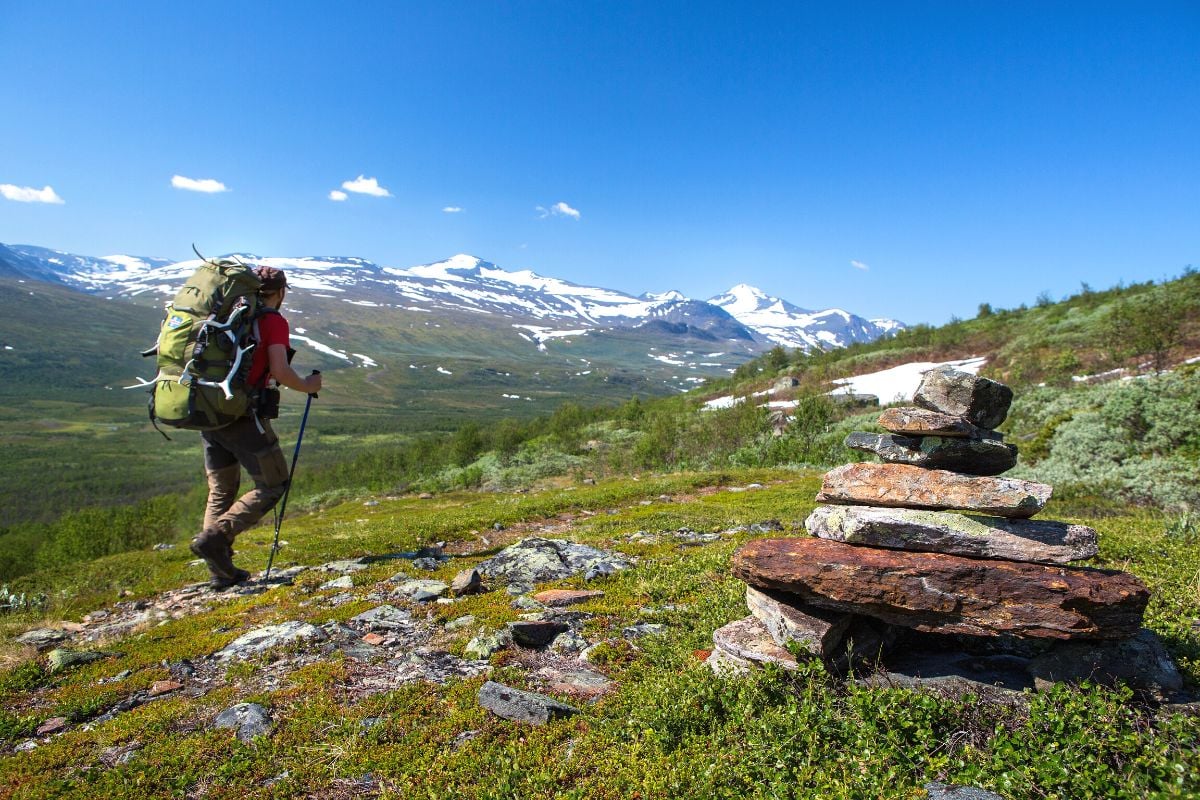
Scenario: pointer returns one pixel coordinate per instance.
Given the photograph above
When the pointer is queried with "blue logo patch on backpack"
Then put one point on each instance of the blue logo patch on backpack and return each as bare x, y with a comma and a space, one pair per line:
175, 321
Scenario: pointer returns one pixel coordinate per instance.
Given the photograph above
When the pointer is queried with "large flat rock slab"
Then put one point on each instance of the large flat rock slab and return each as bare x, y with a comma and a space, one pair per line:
972, 535
942, 593
902, 486
982, 401
923, 422
970, 456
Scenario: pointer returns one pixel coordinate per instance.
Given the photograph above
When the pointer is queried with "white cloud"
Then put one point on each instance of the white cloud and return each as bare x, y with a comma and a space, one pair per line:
206, 185
362, 185
859, 265
453, 209
337, 196
27, 194
559, 209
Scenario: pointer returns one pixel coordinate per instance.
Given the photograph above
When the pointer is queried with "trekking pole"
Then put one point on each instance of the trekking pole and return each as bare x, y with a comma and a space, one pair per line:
291, 474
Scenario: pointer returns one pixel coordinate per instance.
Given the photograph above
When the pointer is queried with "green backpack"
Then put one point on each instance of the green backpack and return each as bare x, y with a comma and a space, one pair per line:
204, 349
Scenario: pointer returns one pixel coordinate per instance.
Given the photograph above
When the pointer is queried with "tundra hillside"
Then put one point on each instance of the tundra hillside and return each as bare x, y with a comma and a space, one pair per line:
356, 702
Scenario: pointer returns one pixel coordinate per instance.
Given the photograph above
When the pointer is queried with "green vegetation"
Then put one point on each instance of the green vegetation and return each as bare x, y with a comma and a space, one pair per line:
670, 729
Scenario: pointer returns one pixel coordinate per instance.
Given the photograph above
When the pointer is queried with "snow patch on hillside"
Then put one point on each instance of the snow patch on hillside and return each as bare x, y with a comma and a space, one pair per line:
899, 384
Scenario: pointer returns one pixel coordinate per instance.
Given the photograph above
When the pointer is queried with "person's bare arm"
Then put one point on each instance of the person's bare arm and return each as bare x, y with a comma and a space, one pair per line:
282, 371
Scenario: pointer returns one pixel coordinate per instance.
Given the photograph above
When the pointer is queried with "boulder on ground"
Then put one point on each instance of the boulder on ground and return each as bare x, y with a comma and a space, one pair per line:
969, 456
520, 706
982, 401
466, 582
263, 639
43, 638
566, 597
61, 658
817, 631
1140, 661
536, 560
946, 791
535, 633
902, 486
942, 593
922, 422
247, 721
971, 535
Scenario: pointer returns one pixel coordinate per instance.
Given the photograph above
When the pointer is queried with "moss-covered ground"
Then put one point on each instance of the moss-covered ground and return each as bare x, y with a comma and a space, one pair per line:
670, 729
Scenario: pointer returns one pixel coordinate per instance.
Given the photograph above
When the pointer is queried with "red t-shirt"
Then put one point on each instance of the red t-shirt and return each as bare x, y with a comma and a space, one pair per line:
272, 329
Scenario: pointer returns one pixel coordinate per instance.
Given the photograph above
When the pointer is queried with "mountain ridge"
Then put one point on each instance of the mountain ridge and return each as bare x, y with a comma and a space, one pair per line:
468, 283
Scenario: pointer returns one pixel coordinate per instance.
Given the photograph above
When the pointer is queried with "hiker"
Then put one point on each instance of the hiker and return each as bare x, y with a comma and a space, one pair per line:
249, 442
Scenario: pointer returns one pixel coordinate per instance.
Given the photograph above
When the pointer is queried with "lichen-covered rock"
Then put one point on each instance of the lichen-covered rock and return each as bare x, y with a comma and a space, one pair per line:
466, 582
902, 486
263, 639
62, 658
816, 630
969, 456
982, 401
483, 646
923, 422
535, 560
941, 593
974, 535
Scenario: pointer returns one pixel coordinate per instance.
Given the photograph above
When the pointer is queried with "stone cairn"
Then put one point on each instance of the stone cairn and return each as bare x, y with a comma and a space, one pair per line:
893, 578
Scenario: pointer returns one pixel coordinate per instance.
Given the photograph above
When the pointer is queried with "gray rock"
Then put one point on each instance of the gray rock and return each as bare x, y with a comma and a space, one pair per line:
464, 621
384, 617
61, 658
970, 456
483, 646
974, 535
262, 639
641, 629
535, 560
987, 676
744, 643
527, 603
247, 720
426, 563
530, 708
946, 791
422, 591
344, 582
580, 681
981, 401
466, 582
1140, 661
26, 746
568, 643
348, 565
788, 620
43, 638
535, 633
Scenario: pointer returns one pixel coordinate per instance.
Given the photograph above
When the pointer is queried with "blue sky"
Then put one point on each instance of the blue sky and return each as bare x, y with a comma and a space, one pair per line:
895, 159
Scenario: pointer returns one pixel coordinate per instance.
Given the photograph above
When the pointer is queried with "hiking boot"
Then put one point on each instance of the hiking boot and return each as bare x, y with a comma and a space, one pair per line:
217, 553
218, 584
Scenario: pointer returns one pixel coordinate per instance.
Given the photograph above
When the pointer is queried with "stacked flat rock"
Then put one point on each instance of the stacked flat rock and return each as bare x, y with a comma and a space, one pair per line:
930, 541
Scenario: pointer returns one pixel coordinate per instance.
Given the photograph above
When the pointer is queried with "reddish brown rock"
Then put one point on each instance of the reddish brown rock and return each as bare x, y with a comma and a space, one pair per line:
374, 639
164, 687
922, 422
566, 597
941, 593
52, 725
903, 486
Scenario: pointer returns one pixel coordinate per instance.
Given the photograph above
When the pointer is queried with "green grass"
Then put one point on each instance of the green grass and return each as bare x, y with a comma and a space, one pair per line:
672, 729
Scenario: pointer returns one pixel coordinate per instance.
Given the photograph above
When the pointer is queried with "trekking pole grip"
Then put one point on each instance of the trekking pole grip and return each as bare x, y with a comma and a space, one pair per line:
314, 394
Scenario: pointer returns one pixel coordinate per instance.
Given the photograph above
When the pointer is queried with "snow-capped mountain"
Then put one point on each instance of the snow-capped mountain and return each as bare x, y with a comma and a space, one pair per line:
791, 326
544, 307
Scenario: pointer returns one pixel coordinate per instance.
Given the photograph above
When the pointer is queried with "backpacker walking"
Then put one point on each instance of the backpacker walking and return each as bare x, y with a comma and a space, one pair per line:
248, 442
